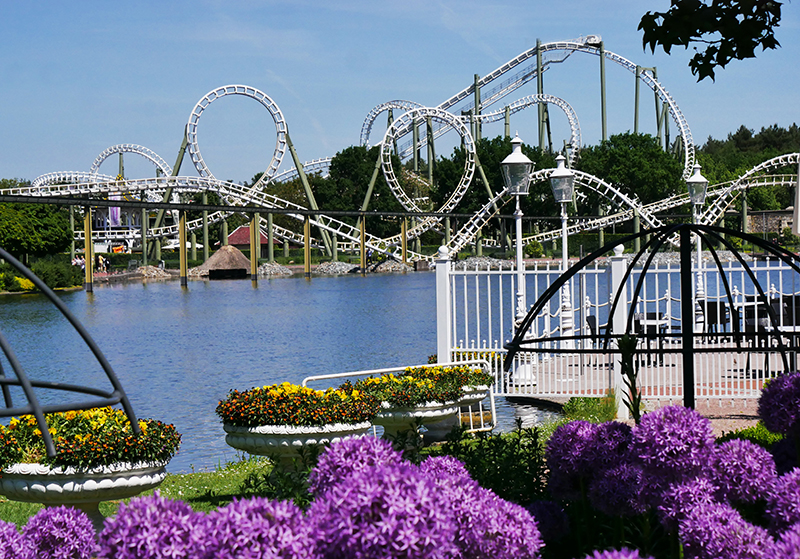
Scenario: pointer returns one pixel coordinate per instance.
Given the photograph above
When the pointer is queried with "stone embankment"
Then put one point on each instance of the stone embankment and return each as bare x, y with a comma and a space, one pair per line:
483, 263
270, 269
154, 272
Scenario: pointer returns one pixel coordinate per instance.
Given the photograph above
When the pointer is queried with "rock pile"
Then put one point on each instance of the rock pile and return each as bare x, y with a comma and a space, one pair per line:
153, 272
273, 269
482, 263
390, 266
334, 268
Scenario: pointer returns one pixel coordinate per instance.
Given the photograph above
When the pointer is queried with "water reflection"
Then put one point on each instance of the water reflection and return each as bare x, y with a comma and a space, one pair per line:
178, 351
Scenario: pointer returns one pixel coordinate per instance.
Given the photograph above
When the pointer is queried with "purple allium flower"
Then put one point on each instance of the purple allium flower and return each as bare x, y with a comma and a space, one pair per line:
783, 503
788, 546
552, 521
616, 491
390, 510
672, 444
259, 528
623, 553
508, 531
447, 469
12, 544
612, 444
717, 530
60, 532
571, 458
743, 471
153, 527
347, 456
779, 405
680, 498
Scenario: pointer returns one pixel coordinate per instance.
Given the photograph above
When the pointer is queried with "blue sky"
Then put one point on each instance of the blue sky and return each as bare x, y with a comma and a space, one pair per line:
81, 76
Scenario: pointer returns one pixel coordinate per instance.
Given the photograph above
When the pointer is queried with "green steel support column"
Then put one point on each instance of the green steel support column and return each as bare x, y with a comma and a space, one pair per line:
404, 240
88, 252
335, 240
175, 170
224, 233
603, 90
326, 239
371, 186
307, 246
271, 240
665, 120
254, 234
205, 227
636, 101
447, 230
145, 223
540, 91
479, 243
182, 247
415, 144
193, 243
417, 245
507, 125
362, 246
636, 229
602, 232
477, 100
72, 233
745, 224
431, 154
659, 118
286, 248
158, 251
257, 218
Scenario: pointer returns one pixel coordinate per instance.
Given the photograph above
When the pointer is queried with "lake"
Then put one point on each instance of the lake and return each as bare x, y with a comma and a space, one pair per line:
177, 352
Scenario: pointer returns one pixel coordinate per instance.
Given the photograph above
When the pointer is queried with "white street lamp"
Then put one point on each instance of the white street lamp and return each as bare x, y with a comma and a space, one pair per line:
697, 185
562, 183
517, 169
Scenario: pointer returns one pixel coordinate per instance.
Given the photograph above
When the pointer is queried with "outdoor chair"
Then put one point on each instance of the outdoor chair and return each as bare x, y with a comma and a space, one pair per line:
651, 326
594, 331
715, 314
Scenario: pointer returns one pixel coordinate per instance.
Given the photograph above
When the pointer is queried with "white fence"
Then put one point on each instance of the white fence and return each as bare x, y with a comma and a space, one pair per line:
476, 313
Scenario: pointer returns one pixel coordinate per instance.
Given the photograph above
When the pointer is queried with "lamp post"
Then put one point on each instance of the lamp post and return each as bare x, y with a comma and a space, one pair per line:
517, 168
562, 183
697, 185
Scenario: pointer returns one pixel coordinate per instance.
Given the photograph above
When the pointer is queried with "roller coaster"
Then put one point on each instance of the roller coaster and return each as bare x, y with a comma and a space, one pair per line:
463, 113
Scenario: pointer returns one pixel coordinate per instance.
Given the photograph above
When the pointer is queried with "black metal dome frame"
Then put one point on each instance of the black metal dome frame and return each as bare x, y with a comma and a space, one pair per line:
34, 407
710, 237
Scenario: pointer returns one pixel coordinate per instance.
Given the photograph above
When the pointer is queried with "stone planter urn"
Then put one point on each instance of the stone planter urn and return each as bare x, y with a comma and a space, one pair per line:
472, 395
396, 420
285, 441
82, 488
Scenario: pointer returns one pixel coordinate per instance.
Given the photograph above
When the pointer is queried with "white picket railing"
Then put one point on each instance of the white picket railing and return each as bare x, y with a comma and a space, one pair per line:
476, 313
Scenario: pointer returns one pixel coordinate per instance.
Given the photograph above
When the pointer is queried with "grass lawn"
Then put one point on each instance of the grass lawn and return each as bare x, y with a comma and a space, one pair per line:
204, 491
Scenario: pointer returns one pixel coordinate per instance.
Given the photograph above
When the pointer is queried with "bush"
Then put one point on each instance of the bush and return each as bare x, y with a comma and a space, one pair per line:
55, 274
594, 410
534, 249
757, 434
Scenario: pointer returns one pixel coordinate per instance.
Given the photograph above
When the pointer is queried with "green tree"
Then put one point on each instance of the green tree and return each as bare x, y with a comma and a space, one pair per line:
32, 229
726, 30
636, 165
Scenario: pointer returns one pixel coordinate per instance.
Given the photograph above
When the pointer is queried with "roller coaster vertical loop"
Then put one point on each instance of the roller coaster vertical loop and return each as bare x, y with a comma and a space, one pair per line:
247, 91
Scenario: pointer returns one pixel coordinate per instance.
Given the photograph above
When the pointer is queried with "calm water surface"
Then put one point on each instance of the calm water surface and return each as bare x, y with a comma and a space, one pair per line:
179, 351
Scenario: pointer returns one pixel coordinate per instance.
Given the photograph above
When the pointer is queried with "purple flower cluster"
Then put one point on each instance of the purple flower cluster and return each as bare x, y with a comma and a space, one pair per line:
779, 405
12, 544
153, 527
718, 530
347, 456
384, 511
743, 470
623, 553
259, 528
60, 532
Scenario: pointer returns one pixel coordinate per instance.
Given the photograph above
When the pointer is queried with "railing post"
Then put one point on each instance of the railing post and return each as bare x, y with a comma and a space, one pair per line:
443, 311
617, 324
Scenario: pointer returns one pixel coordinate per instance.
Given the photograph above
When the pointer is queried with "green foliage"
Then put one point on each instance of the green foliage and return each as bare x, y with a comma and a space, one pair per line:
594, 410
32, 229
510, 464
630, 376
8, 279
534, 249
757, 434
56, 275
636, 165
284, 483
726, 29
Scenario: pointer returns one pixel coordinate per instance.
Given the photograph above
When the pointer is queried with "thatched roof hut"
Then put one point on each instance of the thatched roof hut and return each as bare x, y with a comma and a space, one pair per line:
227, 263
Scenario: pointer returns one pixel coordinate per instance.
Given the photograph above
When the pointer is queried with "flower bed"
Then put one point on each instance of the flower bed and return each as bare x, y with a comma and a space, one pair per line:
409, 391
289, 404
87, 439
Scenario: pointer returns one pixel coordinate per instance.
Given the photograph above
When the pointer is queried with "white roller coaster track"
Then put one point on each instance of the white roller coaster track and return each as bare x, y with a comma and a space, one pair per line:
521, 78
148, 154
